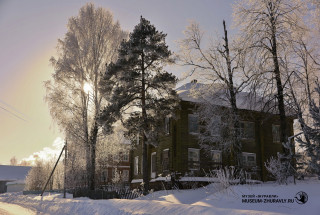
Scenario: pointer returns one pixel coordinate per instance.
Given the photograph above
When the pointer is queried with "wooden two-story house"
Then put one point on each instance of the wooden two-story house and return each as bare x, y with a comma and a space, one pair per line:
179, 151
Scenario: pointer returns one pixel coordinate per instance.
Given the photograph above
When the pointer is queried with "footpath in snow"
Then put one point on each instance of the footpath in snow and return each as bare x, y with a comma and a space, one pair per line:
267, 198
13, 209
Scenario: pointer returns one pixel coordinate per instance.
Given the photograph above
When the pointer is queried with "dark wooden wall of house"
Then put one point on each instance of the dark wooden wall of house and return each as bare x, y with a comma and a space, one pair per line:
179, 140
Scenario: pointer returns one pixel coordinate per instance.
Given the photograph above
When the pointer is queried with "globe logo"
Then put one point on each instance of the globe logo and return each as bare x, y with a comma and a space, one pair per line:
301, 197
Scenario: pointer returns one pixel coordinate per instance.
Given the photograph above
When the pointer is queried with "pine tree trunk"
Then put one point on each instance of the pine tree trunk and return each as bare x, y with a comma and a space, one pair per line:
144, 138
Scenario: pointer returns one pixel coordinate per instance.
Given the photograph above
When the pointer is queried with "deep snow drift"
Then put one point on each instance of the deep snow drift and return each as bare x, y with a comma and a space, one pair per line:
267, 198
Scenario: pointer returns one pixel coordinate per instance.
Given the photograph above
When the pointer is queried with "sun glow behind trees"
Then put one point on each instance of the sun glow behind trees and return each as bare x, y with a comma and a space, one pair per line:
87, 88
29, 37
72, 95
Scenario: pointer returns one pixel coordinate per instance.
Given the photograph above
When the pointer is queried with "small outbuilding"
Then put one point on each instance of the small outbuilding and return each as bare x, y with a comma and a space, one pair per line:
12, 178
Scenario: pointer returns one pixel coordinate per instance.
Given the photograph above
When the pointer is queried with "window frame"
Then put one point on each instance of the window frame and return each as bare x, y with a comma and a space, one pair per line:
141, 163
153, 169
246, 155
136, 165
125, 157
197, 161
218, 128
190, 115
245, 128
277, 139
167, 125
165, 165
216, 151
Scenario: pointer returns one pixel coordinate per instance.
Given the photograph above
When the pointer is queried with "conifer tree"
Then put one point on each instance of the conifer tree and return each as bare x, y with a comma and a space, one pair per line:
140, 92
312, 133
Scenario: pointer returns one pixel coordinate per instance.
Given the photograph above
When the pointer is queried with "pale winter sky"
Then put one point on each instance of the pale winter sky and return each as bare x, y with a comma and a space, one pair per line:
29, 31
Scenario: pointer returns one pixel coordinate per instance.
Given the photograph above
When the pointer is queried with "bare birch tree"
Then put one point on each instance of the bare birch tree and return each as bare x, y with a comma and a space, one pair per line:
72, 95
267, 29
222, 65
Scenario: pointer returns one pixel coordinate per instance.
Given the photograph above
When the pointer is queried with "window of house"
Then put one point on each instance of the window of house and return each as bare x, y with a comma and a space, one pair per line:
165, 159
115, 157
125, 175
276, 133
136, 165
141, 163
193, 123
193, 159
216, 156
125, 157
249, 159
167, 125
215, 124
104, 176
153, 164
247, 130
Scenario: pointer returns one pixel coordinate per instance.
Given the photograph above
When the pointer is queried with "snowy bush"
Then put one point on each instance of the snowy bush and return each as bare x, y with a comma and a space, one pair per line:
39, 174
274, 167
226, 176
117, 177
36, 177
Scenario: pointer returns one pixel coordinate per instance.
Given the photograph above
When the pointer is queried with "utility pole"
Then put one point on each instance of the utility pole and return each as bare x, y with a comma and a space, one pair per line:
45, 186
65, 169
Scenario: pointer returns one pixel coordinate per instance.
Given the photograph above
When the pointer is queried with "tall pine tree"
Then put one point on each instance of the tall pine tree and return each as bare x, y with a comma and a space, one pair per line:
312, 133
140, 92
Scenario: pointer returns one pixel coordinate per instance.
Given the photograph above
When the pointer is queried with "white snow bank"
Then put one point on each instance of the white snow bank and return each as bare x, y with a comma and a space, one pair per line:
16, 182
207, 200
6, 208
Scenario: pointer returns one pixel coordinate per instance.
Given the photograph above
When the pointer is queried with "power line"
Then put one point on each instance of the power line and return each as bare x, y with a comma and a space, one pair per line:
13, 114
13, 109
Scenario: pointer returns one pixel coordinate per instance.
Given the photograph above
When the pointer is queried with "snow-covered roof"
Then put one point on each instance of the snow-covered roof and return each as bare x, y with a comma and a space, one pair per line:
218, 95
16, 182
13, 173
185, 93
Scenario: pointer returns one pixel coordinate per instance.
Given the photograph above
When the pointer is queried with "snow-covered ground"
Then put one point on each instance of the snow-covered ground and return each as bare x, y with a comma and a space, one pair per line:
273, 199
6, 208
